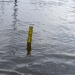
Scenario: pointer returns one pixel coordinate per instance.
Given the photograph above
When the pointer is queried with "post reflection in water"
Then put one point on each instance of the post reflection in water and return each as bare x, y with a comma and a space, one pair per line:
15, 15
14, 30
2, 6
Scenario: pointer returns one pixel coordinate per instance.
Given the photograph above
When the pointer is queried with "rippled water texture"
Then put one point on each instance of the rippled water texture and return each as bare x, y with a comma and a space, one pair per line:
53, 42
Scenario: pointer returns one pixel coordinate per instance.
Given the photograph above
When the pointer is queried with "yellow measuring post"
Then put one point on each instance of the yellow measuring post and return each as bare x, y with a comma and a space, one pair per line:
29, 40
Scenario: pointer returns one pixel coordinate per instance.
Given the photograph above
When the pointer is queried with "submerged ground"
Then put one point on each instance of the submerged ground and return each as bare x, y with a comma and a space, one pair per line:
53, 44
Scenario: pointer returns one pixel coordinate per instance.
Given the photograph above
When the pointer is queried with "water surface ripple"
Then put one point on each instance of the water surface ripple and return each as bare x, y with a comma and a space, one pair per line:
53, 44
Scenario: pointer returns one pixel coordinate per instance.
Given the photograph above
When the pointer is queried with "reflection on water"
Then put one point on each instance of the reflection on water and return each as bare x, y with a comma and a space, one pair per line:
13, 35
2, 10
53, 44
15, 15
2, 7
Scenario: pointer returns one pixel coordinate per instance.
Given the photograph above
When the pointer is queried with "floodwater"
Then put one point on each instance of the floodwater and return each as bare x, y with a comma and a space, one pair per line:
53, 42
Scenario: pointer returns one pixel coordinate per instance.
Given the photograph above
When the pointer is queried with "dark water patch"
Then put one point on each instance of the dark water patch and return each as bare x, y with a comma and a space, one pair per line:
73, 11
72, 22
48, 68
20, 60
61, 56
44, 68
26, 59
9, 72
60, 68
4, 64
30, 70
64, 27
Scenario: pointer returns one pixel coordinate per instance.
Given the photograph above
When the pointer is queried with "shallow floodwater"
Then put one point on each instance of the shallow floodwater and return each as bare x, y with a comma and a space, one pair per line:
53, 44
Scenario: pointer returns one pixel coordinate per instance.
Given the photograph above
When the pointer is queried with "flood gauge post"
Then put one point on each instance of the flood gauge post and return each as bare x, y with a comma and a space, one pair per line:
29, 40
